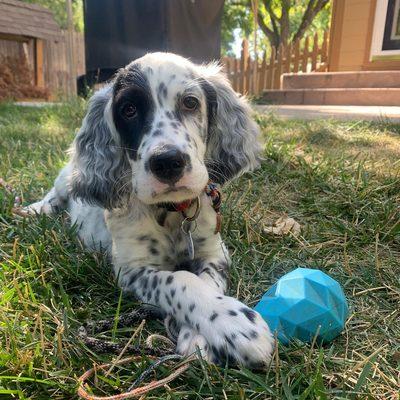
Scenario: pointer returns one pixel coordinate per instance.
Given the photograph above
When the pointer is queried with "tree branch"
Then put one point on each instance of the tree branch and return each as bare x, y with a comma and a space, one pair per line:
267, 32
275, 23
313, 8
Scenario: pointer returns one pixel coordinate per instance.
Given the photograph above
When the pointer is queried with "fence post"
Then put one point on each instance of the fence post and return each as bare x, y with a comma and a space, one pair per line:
324, 51
314, 54
70, 50
278, 69
296, 61
235, 74
243, 65
304, 60
271, 67
288, 58
249, 69
263, 70
39, 60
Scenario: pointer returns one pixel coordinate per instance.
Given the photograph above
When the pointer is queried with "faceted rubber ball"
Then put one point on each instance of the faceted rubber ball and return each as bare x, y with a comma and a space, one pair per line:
303, 303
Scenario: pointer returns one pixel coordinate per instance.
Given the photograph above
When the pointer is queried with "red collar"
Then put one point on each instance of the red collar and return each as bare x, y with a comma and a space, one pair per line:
211, 191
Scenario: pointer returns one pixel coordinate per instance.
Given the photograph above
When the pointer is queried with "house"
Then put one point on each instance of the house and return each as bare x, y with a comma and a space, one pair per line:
363, 60
365, 35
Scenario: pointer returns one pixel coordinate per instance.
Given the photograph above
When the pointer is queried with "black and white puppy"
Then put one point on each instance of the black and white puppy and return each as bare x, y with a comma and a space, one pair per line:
152, 138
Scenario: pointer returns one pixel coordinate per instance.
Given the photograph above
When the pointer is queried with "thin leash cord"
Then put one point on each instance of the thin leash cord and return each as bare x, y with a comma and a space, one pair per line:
133, 390
152, 367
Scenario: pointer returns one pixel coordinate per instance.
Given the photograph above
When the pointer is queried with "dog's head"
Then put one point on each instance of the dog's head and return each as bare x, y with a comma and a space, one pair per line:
160, 131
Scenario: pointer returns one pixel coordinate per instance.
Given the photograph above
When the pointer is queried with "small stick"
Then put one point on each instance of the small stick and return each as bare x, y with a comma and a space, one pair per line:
138, 329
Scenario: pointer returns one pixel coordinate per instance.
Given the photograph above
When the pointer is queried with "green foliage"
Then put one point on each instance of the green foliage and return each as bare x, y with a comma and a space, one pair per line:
59, 10
238, 17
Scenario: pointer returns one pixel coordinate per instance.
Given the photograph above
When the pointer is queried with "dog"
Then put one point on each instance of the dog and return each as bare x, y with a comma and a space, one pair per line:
138, 187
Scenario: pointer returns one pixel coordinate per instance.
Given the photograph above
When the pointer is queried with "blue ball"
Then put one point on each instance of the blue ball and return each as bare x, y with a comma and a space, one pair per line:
305, 303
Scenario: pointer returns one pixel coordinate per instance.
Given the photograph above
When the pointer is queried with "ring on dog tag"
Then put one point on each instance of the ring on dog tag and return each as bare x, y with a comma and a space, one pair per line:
189, 239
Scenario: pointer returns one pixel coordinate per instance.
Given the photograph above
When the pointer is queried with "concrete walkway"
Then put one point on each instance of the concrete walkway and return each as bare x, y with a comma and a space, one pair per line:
345, 113
367, 113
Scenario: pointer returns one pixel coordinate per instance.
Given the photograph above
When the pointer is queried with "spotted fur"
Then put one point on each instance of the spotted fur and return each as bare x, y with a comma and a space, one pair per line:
115, 197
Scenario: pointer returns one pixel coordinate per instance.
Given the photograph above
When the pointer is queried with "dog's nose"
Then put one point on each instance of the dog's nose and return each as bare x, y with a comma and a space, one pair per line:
168, 166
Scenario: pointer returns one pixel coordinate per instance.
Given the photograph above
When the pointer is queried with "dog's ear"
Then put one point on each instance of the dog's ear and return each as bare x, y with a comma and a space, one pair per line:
99, 163
232, 145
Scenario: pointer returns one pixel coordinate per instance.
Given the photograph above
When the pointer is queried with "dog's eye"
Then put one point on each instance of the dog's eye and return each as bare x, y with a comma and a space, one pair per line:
129, 110
190, 103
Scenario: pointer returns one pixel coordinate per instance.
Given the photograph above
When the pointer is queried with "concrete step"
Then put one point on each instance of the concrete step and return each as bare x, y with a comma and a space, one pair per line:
326, 80
351, 96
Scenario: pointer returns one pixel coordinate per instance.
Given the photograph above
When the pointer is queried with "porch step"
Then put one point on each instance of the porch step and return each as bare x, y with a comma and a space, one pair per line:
356, 79
334, 96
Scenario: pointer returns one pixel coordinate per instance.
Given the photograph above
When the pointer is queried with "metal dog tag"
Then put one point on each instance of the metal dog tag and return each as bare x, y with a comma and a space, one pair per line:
186, 229
190, 245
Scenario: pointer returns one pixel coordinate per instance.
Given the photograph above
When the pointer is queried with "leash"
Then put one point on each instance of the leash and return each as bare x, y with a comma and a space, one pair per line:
159, 355
216, 198
132, 391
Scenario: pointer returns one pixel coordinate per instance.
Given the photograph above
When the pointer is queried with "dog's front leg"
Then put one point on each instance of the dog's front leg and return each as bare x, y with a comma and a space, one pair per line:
56, 199
213, 270
232, 332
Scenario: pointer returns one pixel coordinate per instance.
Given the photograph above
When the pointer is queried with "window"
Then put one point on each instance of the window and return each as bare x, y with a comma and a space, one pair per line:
395, 33
386, 33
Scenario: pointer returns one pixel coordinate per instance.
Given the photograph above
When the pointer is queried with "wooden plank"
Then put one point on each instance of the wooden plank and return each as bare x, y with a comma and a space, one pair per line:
296, 60
254, 76
368, 42
70, 50
14, 38
235, 74
262, 74
324, 48
79, 54
288, 58
243, 65
270, 71
335, 36
39, 60
249, 69
10, 49
314, 54
278, 69
304, 59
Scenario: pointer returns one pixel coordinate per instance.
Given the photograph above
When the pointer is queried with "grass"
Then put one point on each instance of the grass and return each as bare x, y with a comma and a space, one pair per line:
339, 180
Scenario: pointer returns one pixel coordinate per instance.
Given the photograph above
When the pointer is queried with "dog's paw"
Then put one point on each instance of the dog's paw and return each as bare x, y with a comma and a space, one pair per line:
40, 207
190, 342
236, 334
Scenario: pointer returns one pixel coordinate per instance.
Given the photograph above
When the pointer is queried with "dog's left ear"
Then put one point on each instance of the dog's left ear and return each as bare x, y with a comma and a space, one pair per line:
232, 144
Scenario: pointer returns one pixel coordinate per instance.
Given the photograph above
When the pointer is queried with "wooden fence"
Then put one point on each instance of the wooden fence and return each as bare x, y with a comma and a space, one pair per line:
49, 61
249, 76
57, 69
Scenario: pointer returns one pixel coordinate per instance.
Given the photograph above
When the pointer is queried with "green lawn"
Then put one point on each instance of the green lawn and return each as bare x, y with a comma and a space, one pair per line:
339, 180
